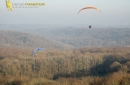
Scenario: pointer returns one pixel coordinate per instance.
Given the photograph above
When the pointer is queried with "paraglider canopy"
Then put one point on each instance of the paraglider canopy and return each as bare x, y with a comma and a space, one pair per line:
89, 7
33, 53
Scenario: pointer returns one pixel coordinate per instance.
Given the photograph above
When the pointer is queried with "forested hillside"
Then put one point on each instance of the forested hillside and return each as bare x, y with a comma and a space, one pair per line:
85, 66
77, 37
12, 38
83, 37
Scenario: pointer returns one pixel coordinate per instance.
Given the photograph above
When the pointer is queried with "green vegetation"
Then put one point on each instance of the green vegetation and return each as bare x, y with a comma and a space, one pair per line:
84, 66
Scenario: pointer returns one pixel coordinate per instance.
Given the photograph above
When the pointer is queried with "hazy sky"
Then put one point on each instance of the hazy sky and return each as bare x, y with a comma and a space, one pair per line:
114, 13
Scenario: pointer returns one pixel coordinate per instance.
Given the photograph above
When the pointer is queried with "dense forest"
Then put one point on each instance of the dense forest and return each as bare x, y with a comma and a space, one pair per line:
83, 66
73, 56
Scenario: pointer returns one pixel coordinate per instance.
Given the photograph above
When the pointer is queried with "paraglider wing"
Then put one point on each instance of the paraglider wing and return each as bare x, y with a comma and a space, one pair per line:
37, 50
89, 7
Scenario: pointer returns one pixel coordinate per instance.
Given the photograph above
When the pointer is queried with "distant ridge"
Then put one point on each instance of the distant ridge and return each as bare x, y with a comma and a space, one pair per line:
12, 38
77, 37
85, 37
